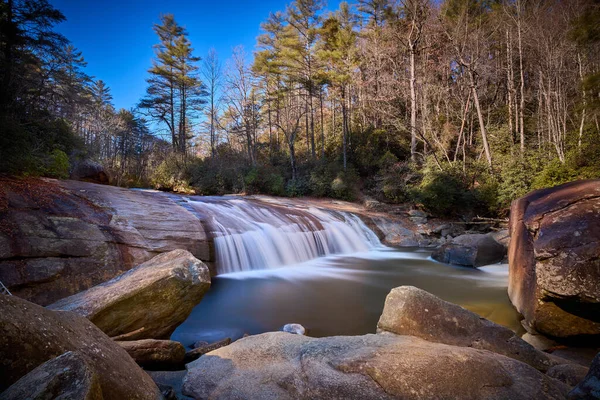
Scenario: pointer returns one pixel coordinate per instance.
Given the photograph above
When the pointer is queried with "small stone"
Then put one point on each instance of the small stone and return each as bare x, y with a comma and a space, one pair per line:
296, 329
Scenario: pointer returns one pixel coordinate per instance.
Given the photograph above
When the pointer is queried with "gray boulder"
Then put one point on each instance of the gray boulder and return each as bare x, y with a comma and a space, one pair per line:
68, 376
570, 374
589, 388
89, 170
473, 250
412, 311
147, 302
282, 366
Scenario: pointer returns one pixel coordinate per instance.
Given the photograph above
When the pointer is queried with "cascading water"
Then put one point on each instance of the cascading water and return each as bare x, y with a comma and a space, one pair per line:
251, 235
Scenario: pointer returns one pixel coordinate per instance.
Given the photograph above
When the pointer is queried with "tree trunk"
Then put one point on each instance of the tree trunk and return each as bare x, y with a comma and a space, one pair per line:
486, 147
413, 107
344, 126
522, 87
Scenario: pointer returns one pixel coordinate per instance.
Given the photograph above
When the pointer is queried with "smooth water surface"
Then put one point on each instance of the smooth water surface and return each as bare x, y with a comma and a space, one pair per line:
339, 295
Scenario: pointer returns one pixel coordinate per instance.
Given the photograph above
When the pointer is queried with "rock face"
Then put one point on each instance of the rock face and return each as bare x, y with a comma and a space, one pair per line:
473, 250
412, 311
554, 259
147, 302
30, 335
589, 388
155, 354
283, 366
396, 233
68, 376
58, 238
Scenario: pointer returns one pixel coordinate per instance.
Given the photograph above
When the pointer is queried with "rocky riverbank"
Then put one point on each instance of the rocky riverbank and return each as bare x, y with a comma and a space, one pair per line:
59, 238
127, 268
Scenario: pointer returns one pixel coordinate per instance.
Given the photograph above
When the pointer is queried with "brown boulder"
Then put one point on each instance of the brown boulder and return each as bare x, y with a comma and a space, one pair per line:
30, 335
554, 259
155, 354
68, 376
412, 311
472, 250
147, 302
282, 366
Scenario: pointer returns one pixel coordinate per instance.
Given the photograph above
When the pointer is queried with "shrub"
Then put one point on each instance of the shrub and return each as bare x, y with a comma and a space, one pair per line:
265, 179
442, 192
57, 165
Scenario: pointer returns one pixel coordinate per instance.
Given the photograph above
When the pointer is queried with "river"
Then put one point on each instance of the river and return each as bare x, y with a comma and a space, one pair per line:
279, 263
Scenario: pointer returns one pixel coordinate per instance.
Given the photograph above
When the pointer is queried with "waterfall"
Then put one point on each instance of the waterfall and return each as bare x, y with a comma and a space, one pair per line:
252, 235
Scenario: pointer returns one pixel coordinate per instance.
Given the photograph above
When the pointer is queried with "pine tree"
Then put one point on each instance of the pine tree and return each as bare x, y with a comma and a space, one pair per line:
175, 93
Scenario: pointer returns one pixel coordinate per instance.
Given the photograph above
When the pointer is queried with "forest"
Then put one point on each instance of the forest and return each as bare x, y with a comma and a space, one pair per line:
459, 106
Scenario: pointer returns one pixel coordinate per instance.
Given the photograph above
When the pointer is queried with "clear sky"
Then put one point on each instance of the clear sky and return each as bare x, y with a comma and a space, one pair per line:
116, 37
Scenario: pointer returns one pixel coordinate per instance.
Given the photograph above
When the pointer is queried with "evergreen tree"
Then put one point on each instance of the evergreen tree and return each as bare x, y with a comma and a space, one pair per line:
175, 92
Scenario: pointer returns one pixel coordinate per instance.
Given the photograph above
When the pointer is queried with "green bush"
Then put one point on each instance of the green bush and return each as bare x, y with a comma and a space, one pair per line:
553, 174
392, 182
57, 165
266, 180
297, 188
170, 175
442, 193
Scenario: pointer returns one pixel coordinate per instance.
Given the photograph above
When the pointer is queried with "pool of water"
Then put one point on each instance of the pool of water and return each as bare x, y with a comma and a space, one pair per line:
339, 295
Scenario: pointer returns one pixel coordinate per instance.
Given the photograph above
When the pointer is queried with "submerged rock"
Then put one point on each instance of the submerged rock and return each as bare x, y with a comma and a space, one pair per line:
554, 279
473, 250
282, 366
30, 335
68, 376
589, 388
155, 354
294, 328
147, 302
412, 311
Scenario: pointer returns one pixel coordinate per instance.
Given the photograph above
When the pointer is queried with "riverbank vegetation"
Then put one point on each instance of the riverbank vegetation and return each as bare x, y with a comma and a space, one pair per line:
458, 105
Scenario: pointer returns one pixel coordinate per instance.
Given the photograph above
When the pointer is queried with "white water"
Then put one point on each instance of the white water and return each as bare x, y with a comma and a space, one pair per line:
249, 235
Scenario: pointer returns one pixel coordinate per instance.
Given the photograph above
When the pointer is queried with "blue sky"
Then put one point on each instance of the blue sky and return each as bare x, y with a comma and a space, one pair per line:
116, 37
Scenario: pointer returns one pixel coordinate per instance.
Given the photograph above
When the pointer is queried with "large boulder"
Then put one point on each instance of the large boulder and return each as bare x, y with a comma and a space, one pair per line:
155, 354
589, 388
554, 278
147, 302
412, 311
58, 238
472, 250
89, 170
30, 335
283, 366
68, 376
